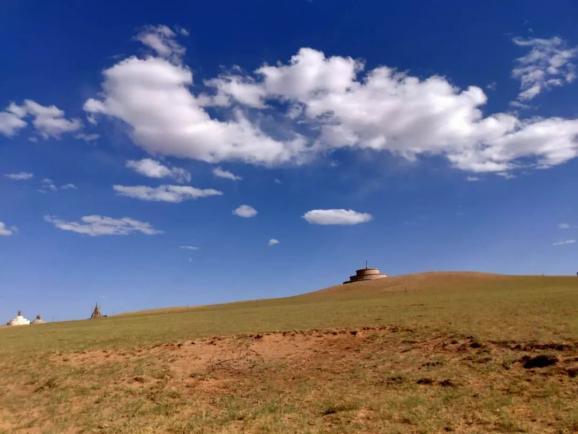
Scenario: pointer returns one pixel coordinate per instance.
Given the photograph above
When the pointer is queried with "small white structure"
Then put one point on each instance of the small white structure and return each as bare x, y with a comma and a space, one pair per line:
38, 320
18, 320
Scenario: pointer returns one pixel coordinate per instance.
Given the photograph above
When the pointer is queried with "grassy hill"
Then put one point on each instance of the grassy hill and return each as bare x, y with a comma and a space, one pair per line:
428, 352
489, 305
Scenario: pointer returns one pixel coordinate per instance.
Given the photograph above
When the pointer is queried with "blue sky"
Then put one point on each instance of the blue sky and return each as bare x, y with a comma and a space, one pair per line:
183, 154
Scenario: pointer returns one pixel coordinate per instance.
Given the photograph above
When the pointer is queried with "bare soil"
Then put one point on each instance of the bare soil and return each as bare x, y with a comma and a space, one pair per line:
371, 379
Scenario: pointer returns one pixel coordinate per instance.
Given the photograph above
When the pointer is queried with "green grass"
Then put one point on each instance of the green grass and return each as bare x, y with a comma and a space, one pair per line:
489, 306
445, 361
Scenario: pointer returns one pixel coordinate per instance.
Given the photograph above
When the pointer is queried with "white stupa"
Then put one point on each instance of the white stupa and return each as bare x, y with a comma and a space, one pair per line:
18, 320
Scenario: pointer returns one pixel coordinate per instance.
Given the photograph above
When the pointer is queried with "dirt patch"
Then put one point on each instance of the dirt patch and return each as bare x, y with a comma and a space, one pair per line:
361, 379
245, 353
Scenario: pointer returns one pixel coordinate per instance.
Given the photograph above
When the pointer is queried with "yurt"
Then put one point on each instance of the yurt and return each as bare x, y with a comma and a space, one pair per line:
18, 320
38, 320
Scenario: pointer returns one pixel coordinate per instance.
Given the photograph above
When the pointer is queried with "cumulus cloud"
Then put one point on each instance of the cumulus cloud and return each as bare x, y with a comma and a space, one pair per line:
336, 217
6, 231
20, 176
273, 242
563, 242
235, 88
48, 121
548, 64
563, 226
10, 123
334, 103
245, 211
153, 97
222, 173
97, 225
154, 169
387, 110
165, 193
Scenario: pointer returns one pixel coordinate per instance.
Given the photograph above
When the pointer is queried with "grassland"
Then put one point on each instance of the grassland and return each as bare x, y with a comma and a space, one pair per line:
432, 352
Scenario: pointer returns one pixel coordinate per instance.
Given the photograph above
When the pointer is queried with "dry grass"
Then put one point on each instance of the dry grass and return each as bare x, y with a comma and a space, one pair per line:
426, 353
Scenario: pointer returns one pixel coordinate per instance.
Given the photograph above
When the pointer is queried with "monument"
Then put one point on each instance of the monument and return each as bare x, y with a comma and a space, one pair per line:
367, 273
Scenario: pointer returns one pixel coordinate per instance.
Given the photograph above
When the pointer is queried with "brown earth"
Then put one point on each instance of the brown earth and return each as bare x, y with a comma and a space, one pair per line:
379, 379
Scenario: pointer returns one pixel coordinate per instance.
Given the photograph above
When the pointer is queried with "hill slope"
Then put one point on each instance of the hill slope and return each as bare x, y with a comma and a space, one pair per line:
432, 352
445, 281
488, 304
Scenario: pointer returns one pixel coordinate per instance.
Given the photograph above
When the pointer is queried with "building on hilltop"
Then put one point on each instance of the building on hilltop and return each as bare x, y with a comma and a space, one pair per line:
96, 313
367, 273
18, 320
38, 320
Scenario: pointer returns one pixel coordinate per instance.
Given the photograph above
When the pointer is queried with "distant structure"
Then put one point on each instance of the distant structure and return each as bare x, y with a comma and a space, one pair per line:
38, 320
367, 273
96, 313
18, 320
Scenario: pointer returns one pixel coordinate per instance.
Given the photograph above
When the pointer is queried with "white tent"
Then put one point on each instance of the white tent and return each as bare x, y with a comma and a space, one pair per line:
38, 320
18, 320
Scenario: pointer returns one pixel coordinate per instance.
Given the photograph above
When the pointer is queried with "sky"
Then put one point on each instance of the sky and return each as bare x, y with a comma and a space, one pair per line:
184, 153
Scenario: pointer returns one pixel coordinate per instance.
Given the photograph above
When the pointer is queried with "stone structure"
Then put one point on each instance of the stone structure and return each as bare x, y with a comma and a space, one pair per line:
18, 320
96, 313
367, 273
38, 320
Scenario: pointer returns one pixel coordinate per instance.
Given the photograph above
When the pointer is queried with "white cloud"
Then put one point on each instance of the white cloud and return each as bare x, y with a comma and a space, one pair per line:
336, 217
548, 64
10, 123
20, 176
49, 121
6, 231
222, 173
245, 211
273, 242
308, 74
161, 39
47, 185
188, 247
96, 225
87, 137
154, 169
165, 193
333, 103
234, 88
387, 110
563, 226
472, 178
153, 97
563, 242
